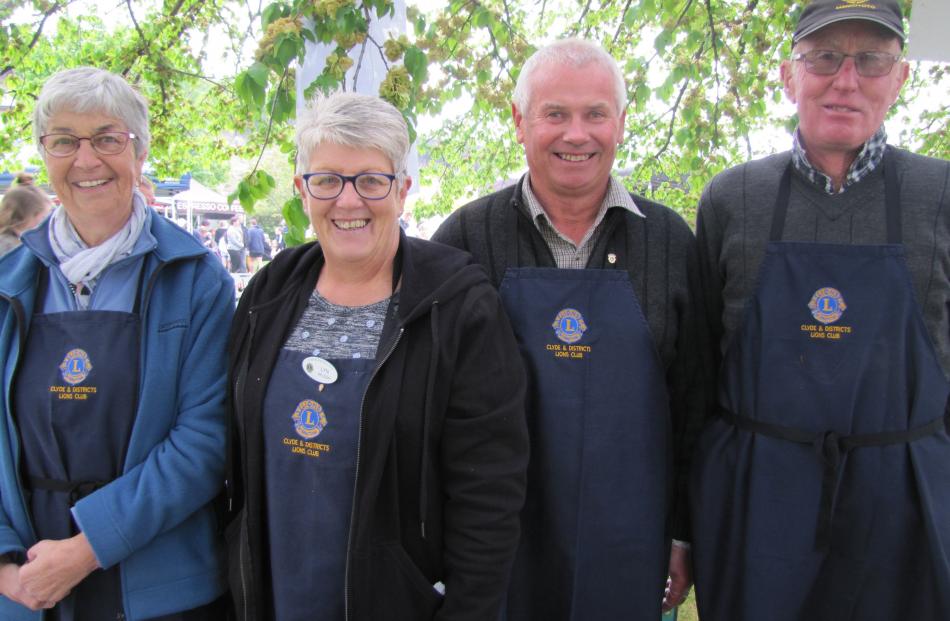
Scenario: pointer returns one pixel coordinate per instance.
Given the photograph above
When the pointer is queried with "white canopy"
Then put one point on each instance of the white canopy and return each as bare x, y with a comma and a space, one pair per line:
198, 199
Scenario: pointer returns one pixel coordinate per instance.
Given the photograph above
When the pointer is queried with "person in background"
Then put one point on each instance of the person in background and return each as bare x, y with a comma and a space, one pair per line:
23, 208
377, 395
203, 232
821, 478
221, 231
601, 287
256, 246
23, 178
112, 355
147, 189
234, 242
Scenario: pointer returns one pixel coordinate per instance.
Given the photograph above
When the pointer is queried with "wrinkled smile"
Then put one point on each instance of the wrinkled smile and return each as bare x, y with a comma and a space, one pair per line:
843, 109
571, 157
92, 183
349, 225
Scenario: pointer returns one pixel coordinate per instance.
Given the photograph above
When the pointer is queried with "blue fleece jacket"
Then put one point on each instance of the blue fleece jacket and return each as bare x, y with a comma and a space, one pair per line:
156, 520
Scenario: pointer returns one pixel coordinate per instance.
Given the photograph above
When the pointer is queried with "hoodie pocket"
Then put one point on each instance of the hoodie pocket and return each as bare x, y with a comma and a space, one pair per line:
399, 592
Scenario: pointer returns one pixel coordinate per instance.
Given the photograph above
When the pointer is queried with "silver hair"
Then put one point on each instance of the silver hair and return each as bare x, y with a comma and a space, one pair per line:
575, 53
353, 120
90, 90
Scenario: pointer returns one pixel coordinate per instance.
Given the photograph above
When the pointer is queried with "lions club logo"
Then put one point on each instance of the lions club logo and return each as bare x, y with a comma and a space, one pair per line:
309, 419
569, 325
75, 367
827, 305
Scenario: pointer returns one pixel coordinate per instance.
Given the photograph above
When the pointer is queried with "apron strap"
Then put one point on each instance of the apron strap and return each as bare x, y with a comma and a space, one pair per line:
781, 204
892, 197
891, 200
77, 490
832, 448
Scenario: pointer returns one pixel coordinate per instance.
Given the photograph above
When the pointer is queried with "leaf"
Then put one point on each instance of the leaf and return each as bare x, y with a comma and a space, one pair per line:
641, 95
287, 47
294, 214
416, 62
630, 17
250, 92
285, 105
481, 17
245, 196
258, 72
271, 13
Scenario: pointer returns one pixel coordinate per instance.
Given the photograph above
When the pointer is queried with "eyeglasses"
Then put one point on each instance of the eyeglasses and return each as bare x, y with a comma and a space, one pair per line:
328, 185
103, 143
828, 62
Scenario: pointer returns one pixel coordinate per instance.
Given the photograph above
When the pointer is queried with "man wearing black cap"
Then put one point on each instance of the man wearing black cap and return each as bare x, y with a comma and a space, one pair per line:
820, 487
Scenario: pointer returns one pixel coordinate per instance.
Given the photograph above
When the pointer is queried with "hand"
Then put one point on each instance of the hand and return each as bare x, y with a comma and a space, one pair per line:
680, 580
11, 588
53, 568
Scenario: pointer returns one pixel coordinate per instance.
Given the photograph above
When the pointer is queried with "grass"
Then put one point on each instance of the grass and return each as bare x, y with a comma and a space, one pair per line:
687, 611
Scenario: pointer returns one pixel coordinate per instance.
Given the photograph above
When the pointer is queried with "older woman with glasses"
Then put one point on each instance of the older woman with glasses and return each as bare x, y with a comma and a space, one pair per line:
377, 393
112, 348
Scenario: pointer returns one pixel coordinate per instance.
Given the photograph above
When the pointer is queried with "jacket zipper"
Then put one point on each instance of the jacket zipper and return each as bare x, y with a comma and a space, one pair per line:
356, 478
239, 384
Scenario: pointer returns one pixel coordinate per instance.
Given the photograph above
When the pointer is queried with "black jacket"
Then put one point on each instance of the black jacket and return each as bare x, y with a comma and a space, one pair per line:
443, 449
659, 253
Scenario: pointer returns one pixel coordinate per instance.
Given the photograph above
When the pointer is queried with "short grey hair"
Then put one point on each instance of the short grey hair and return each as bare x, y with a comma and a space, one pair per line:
353, 120
91, 90
575, 53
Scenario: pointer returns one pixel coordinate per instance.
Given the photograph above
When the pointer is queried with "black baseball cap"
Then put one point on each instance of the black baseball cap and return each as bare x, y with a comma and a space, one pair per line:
821, 13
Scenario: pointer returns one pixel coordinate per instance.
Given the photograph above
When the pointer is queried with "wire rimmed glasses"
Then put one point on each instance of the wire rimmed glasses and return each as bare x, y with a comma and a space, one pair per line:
61, 144
328, 185
828, 62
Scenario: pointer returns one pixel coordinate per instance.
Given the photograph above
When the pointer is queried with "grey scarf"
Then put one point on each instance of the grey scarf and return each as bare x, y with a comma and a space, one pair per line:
81, 264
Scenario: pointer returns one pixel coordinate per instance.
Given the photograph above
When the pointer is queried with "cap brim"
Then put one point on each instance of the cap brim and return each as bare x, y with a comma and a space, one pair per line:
845, 18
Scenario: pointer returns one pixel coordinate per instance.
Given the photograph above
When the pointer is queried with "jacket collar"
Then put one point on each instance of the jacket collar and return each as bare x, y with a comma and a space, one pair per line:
165, 241
430, 273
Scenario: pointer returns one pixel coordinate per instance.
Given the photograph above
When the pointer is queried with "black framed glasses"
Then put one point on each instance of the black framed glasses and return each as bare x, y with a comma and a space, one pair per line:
828, 62
329, 185
103, 143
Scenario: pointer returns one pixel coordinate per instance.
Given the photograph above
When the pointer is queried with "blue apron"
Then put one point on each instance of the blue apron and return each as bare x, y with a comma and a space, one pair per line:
593, 539
75, 399
821, 492
311, 439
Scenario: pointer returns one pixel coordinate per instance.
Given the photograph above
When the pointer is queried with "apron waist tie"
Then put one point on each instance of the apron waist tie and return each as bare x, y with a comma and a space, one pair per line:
77, 490
832, 448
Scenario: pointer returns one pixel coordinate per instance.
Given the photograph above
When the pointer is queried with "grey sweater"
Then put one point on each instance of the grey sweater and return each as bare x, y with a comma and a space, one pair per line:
661, 260
735, 215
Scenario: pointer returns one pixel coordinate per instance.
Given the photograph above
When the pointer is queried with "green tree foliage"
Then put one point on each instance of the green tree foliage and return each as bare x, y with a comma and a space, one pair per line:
702, 82
192, 117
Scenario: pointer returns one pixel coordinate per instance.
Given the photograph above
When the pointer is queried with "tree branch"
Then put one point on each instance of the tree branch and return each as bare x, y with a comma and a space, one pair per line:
270, 121
712, 36
669, 132
626, 7
55, 8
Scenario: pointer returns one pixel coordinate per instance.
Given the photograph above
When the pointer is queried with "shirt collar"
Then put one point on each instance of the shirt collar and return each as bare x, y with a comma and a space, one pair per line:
867, 160
617, 196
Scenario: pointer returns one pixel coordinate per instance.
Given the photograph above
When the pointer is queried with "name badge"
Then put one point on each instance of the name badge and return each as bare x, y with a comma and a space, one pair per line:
319, 370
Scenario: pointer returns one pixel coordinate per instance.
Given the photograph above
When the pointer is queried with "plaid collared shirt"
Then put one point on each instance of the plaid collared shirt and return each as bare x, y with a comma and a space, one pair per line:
567, 254
868, 159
